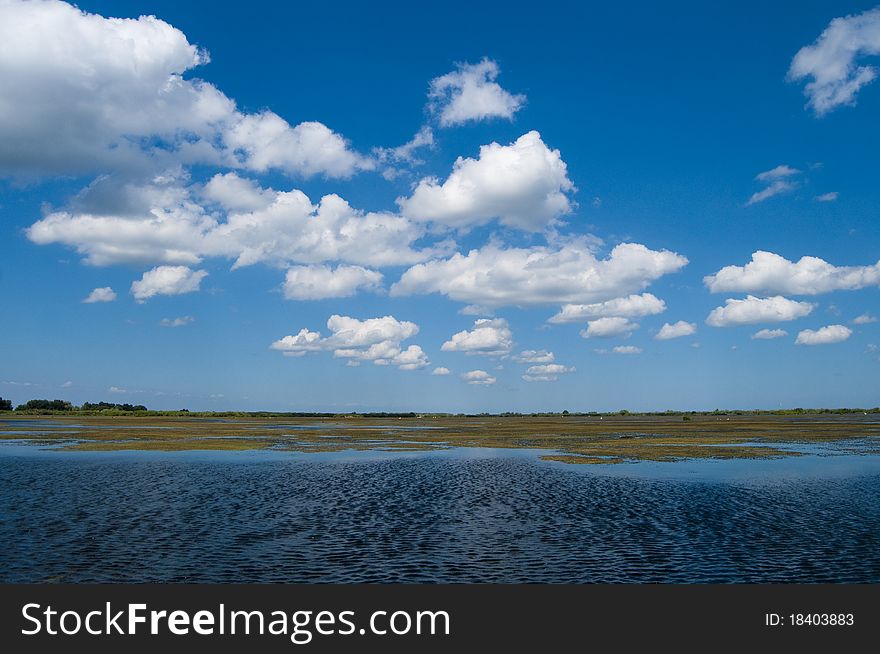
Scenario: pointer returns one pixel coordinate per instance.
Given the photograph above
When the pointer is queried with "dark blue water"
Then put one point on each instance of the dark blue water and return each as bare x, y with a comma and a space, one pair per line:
444, 517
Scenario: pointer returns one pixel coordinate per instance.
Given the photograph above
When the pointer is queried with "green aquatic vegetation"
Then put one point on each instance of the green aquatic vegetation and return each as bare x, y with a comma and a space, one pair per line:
572, 439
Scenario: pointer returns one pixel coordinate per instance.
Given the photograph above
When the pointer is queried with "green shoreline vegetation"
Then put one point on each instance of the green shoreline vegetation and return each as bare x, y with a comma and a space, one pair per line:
583, 438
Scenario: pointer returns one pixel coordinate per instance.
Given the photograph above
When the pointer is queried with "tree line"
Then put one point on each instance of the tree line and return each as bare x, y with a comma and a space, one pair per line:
64, 406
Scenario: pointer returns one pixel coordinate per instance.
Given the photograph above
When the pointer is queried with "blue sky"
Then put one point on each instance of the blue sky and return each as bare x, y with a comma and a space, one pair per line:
607, 153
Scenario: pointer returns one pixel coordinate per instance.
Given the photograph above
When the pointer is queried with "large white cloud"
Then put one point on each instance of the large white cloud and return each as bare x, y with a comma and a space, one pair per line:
631, 306
831, 63
490, 337
523, 185
471, 93
753, 310
237, 194
81, 93
823, 335
167, 280
375, 339
163, 222
771, 273
494, 276
318, 281
609, 327
266, 141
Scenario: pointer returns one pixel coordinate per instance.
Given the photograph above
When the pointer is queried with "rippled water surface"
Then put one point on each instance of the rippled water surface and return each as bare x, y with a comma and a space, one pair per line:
476, 516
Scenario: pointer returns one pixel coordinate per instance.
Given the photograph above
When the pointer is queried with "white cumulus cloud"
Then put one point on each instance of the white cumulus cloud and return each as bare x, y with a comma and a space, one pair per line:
864, 319
823, 335
771, 273
675, 330
534, 356
609, 327
494, 276
471, 93
374, 339
478, 378
83, 93
489, 336
546, 372
831, 63
523, 185
441, 372
162, 222
167, 280
631, 306
769, 334
319, 281
753, 310
103, 294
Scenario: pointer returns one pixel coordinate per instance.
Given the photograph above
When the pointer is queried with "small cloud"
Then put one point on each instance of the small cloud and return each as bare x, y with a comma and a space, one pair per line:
776, 188
116, 389
478, 378
777, 181
769, 334
67, 384
823, 335
534, 356
596, 202
441, 371
476, 310
865, 319
166, 280
470, 93
176, 322
103, 294
546, 373
609, 327
827, 197
780, 172
626, 349
676, 330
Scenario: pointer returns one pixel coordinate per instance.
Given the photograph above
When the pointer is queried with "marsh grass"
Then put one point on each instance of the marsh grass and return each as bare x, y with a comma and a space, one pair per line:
581, 439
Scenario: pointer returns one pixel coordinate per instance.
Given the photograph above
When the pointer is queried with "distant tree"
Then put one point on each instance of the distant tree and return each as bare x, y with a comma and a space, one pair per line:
565, 413
45, 405
109, 406
5, 405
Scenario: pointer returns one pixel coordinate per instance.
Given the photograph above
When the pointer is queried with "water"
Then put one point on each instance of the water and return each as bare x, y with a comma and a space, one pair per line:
448, 516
